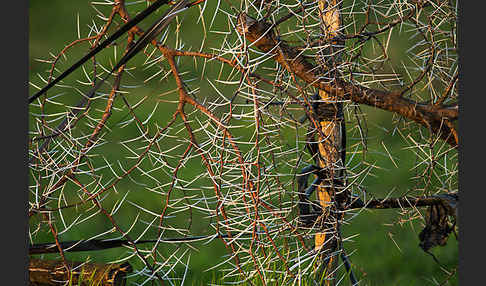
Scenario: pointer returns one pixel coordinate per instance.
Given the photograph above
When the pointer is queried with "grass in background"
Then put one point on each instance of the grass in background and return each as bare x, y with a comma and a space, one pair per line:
385, 252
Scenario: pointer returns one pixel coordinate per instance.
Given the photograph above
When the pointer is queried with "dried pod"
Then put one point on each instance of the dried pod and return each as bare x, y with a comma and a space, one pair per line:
438, 225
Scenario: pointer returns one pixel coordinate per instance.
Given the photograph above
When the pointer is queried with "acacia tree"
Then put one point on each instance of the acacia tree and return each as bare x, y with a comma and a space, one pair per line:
189, 125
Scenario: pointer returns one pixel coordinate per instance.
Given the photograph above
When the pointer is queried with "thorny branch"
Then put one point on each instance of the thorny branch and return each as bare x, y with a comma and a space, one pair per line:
233, 140
96, 244
435, 117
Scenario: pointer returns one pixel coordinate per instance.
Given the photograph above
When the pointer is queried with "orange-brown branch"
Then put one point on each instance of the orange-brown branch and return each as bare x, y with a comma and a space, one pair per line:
434, 117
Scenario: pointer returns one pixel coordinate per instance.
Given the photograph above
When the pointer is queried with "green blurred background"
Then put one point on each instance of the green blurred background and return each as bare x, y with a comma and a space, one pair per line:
385, 252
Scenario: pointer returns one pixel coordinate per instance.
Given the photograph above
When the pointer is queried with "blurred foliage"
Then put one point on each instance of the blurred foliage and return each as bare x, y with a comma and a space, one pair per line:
383, 246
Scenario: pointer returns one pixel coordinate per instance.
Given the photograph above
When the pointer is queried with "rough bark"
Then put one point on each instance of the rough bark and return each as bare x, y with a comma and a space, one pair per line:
53, 272
438, 118
331, 146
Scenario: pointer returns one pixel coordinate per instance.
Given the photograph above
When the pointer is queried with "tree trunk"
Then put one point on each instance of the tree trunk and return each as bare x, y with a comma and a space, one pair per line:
53, 272
331, 147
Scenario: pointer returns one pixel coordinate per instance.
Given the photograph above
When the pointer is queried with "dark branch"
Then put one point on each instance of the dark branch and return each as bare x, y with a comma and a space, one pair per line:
125, 28
405, 202
99, 244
